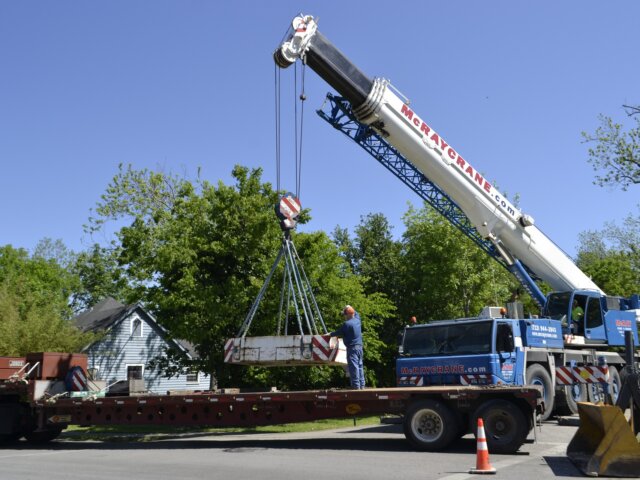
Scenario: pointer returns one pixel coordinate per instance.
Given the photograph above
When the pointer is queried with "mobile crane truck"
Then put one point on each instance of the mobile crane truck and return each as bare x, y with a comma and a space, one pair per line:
563, 352
489, 350
568, 351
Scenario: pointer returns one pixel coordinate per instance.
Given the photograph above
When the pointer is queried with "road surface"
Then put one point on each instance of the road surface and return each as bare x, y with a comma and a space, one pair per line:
359, 453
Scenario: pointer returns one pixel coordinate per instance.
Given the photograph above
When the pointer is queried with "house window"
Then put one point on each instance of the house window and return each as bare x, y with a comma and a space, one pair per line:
136, 327
134, 372
193, 377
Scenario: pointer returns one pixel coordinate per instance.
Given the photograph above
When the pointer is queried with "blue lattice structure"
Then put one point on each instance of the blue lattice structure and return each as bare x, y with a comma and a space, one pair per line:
337, 112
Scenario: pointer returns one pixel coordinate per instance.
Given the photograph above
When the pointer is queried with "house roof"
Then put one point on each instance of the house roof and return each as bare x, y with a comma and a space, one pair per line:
102, 316
109, 312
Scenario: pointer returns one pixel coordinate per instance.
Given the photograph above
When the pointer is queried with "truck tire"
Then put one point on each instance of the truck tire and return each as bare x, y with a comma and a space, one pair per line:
9, 438
615, 383
430, 425
43, 436
567, 398
505, 426
596, 390
538, 375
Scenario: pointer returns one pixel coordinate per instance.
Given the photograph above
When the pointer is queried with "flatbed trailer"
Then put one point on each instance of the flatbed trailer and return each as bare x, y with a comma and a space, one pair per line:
433, 416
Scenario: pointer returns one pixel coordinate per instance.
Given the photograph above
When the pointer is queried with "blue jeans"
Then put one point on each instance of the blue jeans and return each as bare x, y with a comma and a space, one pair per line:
356, 368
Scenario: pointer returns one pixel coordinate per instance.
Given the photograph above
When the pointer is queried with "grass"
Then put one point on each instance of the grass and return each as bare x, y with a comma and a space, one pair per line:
149, 432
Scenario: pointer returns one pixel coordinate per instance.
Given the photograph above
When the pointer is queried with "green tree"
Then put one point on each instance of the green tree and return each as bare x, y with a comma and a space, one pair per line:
373, 254
101, 276
616, 154
34, 308
445, 275
611, 257
197, 255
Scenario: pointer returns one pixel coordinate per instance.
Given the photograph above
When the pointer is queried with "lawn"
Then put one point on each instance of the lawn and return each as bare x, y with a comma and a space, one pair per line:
149, 432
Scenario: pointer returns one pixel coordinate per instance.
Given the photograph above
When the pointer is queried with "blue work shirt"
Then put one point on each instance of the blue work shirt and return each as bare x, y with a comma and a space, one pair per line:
350, 331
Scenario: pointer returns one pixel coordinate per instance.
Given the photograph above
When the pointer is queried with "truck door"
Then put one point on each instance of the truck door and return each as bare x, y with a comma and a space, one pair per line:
576, 314
593, 325
506, 351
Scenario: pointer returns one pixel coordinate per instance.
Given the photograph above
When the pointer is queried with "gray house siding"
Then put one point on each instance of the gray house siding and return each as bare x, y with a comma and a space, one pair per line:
135, 342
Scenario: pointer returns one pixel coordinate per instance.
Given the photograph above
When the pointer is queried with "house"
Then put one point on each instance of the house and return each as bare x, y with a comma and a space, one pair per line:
132, 338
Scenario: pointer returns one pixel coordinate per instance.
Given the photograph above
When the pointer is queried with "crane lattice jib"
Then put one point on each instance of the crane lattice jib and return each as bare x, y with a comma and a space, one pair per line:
337, 112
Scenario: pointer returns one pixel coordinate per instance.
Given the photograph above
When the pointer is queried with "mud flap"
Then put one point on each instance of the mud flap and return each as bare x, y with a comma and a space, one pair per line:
604, 445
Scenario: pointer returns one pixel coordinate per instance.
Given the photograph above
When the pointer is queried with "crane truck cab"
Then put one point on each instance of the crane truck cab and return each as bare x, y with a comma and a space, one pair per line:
577, 330
592, 319
478, 351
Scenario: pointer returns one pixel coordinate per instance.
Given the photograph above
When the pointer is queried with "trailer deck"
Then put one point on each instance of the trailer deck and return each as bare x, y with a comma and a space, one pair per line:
249, 409
38, 401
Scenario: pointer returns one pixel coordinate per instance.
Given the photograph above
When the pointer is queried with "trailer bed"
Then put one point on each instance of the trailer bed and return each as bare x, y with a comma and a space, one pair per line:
434, 416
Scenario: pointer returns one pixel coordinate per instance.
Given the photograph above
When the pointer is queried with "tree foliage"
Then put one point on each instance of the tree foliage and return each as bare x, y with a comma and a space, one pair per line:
197, 255
611, 256
34, 307
616, 154
433, 272
445, 275
101, 276
372, 253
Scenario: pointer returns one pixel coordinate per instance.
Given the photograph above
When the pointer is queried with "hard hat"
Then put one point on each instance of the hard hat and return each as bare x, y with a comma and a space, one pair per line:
348, 310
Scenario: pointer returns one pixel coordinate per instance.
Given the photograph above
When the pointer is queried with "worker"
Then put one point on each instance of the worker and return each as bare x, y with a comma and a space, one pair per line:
577, 314
413, 321
351, 333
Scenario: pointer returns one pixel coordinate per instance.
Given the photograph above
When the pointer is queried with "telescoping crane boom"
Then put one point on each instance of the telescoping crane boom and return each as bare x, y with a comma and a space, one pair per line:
496, 219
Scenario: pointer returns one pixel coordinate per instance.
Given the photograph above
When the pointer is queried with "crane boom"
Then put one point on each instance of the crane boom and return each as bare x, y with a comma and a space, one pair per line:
375, 104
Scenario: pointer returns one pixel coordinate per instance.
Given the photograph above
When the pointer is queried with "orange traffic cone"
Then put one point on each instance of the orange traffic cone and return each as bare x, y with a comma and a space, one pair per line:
482, 453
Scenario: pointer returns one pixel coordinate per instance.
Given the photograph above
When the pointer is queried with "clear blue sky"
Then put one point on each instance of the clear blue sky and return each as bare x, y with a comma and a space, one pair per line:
177, 85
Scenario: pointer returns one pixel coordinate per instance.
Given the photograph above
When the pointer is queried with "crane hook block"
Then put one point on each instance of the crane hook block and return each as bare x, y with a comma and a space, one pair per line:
287, 210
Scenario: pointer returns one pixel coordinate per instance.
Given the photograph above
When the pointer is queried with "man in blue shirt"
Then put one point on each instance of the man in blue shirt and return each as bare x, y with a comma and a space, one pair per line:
351, 333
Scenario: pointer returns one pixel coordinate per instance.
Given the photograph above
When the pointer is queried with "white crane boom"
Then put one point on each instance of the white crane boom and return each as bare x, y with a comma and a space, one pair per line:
375, 104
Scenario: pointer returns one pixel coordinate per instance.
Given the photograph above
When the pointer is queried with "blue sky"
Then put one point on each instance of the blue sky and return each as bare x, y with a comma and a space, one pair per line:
182, 85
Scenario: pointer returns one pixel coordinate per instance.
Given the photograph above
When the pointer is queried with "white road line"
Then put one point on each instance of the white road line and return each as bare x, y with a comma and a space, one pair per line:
557, 448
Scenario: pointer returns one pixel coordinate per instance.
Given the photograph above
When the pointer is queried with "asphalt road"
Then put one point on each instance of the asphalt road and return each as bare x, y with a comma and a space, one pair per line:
367, 453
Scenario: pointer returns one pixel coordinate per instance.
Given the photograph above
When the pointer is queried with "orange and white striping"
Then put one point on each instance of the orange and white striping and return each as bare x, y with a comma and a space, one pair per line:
474, 379
322, 349
483, 465
228, 350
416, 380
571, 375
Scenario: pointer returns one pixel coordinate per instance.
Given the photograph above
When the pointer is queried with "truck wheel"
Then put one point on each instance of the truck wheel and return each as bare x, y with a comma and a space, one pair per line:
430, 425
615, 384
9, 438
43, 436
596, 390
567, 398
505, 426
538, 375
